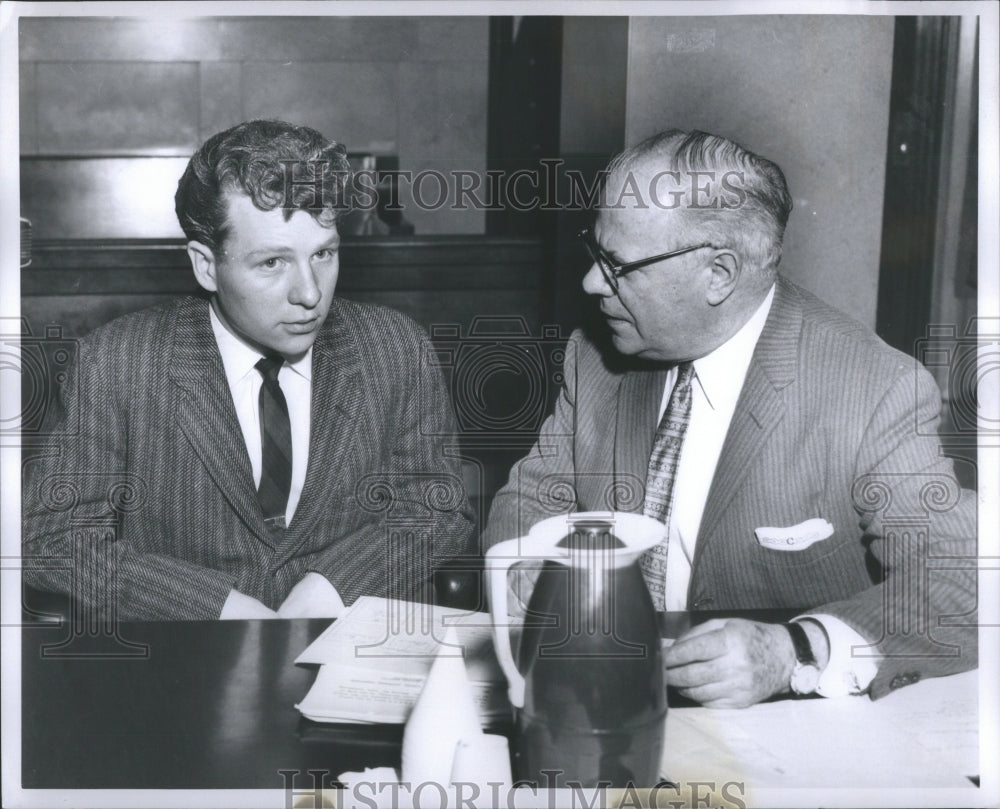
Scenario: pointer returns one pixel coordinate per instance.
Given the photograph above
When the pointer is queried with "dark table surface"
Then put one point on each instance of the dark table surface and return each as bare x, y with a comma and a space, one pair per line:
192, 704
189, 705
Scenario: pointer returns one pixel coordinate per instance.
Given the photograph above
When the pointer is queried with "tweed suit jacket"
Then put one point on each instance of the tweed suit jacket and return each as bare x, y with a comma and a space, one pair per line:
143, 501
831, 423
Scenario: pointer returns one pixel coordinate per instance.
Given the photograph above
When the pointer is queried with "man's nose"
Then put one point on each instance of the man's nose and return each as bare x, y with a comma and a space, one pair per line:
594, 282
304, 290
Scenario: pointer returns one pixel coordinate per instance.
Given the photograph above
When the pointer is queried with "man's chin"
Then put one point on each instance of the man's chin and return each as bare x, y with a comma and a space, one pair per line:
292, 347
296, 350
631, 345
625, 343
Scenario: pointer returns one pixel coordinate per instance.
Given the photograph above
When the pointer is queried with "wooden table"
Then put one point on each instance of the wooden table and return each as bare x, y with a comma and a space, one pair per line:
211, 705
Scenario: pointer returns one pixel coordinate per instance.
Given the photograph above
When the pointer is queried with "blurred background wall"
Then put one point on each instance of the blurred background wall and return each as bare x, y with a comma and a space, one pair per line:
810, 93
413, 88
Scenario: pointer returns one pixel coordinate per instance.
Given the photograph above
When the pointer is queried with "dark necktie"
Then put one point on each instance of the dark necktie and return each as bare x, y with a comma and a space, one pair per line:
276, 445
660, 478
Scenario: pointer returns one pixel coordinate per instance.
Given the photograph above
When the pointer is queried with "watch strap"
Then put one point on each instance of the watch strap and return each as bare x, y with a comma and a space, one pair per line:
800, 641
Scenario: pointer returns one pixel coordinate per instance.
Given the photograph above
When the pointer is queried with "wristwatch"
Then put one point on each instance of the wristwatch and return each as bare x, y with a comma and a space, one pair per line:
805, 675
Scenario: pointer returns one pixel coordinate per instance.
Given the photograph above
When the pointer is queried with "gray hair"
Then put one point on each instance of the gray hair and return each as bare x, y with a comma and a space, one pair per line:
755, 223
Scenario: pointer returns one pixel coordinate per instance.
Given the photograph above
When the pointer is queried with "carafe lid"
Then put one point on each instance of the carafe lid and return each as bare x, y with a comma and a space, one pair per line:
591, 535
621, 535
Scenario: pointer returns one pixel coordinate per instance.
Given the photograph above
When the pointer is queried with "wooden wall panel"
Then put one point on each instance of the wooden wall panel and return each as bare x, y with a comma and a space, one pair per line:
809, 92
409, 87
220, 97
147, 106
28, 122
88, 39
352, 102
436, 280
101, 198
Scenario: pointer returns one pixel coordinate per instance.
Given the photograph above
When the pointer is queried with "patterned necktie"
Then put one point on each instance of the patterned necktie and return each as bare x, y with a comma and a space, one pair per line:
660, 478
276, 445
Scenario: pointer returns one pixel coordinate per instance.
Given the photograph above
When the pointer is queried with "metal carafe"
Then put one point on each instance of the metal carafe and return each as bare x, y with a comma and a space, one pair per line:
588, 685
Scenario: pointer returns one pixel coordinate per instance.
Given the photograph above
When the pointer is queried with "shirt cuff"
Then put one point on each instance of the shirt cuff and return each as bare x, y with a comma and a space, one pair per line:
323, 595
845, 673
322, 583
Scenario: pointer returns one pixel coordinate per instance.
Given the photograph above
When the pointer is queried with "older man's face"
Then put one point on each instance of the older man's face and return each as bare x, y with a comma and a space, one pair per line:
660, 310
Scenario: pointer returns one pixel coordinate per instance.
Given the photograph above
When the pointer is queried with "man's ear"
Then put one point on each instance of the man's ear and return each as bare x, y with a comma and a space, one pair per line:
725, 273
203, 264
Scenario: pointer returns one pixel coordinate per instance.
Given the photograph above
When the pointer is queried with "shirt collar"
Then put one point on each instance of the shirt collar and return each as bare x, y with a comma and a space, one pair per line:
239, 359
721, 373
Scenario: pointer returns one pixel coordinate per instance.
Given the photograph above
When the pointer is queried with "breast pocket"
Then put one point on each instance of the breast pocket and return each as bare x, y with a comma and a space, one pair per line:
803, 570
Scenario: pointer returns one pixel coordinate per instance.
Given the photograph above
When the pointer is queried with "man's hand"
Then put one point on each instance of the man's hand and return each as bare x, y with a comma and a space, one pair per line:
731, 663
312, 597
239, 607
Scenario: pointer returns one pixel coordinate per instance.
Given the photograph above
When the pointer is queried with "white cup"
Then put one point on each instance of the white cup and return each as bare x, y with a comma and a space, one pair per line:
484, 761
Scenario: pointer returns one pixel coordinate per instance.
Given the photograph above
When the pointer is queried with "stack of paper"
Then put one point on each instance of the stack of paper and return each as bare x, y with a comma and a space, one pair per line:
375, 659
924, 735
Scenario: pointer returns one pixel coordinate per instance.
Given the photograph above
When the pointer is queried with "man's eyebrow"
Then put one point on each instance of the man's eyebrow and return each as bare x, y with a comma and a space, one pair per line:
268, 250
284, 249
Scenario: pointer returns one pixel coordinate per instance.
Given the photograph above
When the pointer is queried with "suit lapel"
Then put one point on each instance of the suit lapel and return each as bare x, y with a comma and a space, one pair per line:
639, 398
207, 416
336, 402
759, 409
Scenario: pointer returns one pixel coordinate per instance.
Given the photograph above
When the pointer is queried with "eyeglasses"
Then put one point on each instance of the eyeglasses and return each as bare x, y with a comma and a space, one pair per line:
612, 270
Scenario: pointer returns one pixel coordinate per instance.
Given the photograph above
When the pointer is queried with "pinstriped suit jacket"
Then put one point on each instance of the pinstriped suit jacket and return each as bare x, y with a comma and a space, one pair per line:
143, 501
831, 423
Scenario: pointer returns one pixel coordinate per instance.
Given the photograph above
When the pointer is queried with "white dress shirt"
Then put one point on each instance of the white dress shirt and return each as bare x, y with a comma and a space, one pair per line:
719, 378
245, 382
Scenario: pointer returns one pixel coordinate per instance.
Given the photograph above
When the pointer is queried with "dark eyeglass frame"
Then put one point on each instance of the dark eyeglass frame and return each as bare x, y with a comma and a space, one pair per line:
612, 271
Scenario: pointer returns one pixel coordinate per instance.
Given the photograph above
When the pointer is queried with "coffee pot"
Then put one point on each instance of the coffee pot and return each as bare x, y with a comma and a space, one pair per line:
588, 686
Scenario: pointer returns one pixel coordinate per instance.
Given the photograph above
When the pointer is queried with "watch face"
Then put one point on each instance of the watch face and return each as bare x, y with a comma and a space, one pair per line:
805, 678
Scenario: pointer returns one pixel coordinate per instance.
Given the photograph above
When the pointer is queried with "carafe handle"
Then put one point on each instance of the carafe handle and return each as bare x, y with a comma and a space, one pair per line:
499, 559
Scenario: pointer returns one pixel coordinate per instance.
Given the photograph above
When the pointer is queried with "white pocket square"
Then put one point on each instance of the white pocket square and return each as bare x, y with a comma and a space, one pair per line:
795, 537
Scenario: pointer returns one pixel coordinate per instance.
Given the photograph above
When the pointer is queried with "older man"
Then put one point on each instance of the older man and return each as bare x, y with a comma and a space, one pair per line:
267, 450
791, 453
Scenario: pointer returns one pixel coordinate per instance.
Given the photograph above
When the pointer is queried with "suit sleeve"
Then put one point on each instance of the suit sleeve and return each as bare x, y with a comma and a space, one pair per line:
413, 511
77, 496
921, 528
543, 483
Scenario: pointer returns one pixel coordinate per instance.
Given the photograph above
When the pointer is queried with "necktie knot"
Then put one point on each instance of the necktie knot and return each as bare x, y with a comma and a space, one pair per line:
685, 374
269, 367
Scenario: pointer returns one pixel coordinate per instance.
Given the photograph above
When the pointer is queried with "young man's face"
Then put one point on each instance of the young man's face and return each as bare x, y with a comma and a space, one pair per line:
273, 280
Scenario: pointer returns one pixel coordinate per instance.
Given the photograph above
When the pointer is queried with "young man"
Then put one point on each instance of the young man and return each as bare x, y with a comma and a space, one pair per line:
267, 451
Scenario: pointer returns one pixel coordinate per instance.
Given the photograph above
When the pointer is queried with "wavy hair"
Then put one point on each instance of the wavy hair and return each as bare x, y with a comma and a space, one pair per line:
276, 164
